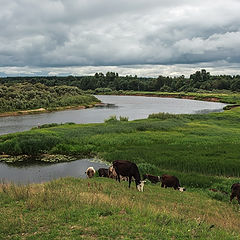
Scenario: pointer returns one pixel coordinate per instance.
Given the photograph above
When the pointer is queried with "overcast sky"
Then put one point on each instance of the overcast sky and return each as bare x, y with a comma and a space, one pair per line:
142, 37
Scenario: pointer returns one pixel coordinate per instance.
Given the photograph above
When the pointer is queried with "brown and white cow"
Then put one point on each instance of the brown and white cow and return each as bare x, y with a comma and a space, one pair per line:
130, 170
90, 172
171, 181
103, 172
151, 178
235, 192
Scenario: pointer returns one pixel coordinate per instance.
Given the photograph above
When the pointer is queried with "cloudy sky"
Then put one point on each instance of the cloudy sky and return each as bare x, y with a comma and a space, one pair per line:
142, 37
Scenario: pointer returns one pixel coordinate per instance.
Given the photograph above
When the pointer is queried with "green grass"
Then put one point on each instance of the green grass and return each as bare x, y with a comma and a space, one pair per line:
100, 208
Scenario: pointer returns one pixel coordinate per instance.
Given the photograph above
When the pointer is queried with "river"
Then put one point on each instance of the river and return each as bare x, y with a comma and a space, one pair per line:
133, 107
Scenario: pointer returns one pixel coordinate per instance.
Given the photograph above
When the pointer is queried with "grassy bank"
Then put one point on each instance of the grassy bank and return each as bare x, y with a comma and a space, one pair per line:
97, 208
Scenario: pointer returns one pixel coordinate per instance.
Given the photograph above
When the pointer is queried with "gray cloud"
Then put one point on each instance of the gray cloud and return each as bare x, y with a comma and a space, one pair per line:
69, 34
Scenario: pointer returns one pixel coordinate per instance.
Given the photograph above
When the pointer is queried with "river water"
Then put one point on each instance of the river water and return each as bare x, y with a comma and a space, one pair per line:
133, 107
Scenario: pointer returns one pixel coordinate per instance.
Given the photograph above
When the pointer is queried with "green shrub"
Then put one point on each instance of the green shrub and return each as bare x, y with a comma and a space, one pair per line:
163, 115
111, 119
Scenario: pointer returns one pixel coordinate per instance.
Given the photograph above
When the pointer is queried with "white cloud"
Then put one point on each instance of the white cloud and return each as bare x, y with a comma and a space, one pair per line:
55, 35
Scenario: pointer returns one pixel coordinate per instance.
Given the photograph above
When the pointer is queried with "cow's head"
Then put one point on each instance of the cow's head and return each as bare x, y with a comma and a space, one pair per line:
181, 189
140, 186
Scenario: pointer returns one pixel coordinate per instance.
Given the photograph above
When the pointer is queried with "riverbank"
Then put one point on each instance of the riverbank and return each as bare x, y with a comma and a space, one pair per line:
48, 110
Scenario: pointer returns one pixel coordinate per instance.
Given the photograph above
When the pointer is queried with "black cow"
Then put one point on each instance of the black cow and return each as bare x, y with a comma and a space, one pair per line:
103, 172
171, 181
151, 178
127, 169
235, 192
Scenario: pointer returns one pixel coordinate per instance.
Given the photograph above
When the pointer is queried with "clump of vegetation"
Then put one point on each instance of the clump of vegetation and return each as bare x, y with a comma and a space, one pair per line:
163, 115
113, 119
25, 96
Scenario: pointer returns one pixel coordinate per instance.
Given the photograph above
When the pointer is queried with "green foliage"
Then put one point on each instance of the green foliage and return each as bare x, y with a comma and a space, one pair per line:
25, 96
163, 115
113, 119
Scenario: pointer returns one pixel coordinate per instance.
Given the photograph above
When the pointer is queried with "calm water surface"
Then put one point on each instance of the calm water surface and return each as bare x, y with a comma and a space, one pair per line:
42, 172
133, 107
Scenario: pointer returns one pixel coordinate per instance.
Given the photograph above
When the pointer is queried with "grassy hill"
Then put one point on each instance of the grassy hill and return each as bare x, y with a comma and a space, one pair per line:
98, 208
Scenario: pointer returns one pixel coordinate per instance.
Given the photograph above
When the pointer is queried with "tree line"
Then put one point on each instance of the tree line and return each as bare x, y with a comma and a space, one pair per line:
200, 80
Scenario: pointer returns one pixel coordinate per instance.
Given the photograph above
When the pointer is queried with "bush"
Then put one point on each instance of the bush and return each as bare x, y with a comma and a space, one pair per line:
163, 115
111, 119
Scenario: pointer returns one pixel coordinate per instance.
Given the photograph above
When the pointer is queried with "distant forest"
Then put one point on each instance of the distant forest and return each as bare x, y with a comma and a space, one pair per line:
200, 80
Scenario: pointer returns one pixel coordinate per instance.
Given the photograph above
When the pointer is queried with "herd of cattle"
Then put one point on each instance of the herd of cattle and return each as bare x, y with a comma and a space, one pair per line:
126, 170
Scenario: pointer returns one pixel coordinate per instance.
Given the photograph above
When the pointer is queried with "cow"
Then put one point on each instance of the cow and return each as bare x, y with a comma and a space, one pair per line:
216, 190
90, 172
151, 178
140, 186
235, 192
112, 173
171, 181
128, 169
103, 172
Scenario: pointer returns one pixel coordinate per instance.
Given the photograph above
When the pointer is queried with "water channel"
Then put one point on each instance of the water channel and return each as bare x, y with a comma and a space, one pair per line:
133, 107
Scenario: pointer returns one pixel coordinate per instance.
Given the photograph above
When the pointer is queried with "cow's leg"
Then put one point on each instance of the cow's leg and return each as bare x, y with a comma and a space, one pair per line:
130, 180
118, 177
233, 195
238, 198
162, 185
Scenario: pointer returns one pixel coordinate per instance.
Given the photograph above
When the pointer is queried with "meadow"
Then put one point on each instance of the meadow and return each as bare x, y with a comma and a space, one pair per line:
100, 208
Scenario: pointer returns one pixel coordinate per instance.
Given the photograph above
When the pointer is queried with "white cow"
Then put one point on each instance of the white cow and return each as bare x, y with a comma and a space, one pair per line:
90, 172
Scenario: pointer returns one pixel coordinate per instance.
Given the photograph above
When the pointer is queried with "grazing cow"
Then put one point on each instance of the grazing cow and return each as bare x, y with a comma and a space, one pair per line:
112, 173
171, 181
90, 172
235, 192
127, 169
103, 172
216, 190
140, 186
151, 178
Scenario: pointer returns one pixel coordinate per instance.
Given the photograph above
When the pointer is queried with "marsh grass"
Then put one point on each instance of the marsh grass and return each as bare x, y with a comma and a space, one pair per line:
101, 208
